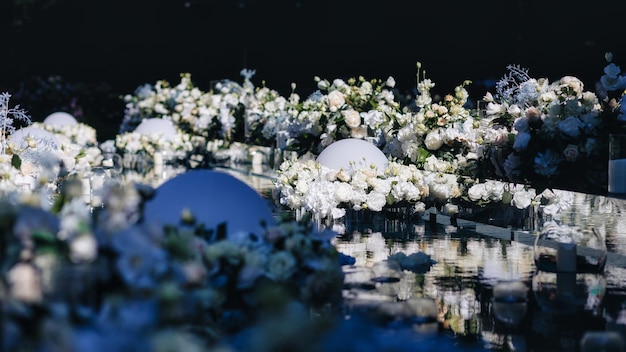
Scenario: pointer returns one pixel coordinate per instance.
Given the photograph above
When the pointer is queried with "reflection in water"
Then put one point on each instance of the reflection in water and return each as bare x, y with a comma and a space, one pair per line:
458, 282
558, 309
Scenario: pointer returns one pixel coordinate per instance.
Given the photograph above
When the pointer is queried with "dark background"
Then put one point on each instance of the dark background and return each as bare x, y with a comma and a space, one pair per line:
110, 47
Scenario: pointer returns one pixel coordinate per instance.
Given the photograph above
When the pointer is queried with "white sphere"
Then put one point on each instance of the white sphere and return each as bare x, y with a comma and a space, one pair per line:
44, 139
157, 125
352, 152
60, 118
213, 197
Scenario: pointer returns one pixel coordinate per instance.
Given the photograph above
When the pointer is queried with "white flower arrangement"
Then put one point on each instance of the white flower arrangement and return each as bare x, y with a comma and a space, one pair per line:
557, 128
307, 186
38, 164
440, 136
176, 147
356, 108
79, 133
206, 114
267, 114
326, 193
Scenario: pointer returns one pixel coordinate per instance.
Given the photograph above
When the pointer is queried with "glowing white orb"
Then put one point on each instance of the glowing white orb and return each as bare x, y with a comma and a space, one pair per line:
213, 198
352, 153
60, 118
42, 138
157, 125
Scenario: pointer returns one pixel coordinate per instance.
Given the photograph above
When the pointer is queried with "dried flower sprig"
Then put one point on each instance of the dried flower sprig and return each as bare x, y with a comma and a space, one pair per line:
8, 116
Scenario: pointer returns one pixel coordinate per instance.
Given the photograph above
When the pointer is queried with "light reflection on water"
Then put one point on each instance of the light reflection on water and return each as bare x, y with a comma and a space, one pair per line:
466, 267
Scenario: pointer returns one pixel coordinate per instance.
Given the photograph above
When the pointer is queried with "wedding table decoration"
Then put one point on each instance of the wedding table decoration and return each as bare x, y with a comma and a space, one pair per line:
174, 254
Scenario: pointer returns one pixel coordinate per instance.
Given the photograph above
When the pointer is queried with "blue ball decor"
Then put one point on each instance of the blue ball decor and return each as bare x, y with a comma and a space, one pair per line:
213, 198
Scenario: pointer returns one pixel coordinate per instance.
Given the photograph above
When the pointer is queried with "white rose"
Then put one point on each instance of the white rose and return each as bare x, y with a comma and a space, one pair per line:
494, 189
433, 140
376, 201
352, 118
476, 192
343, 192
372, 118
411, 191
335, 100
440, 191
331, 175
523, 199
338, 82
574, 83
380, 185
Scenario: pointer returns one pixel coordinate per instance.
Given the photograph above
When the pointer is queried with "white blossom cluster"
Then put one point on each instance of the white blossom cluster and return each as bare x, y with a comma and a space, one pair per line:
327, 193
79, 133
207, 114
148, 144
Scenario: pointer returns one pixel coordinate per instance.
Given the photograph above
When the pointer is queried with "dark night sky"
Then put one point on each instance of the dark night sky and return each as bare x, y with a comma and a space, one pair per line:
131, 42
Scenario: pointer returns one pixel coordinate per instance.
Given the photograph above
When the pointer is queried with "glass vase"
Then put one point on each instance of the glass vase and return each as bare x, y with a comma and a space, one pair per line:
574, 239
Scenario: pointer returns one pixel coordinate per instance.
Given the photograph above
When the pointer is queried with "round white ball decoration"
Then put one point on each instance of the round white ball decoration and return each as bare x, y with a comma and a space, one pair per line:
352, 152
155, 126
60, 118
43, 138
213, 197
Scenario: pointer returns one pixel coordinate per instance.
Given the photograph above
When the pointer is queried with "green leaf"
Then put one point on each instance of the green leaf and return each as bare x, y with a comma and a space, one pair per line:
16, 161
43, 237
